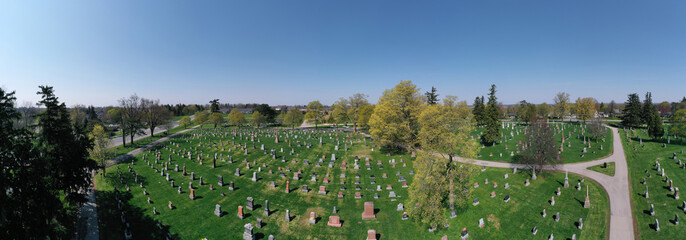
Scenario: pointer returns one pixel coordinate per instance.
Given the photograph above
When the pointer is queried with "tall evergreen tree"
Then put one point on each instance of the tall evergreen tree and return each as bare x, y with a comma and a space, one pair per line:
432, 96
655, 128
490, 134
214, 105
42, 174
632, 111
648, 109
479, 110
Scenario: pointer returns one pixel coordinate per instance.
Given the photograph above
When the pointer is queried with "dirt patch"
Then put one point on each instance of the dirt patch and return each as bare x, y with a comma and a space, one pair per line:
494, 220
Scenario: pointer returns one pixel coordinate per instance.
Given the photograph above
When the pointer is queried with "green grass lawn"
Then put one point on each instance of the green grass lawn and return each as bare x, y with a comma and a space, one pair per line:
609, 170
641, 160
513, 134
194, 219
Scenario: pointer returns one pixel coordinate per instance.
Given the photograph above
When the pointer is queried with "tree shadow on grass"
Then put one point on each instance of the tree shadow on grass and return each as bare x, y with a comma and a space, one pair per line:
142, 226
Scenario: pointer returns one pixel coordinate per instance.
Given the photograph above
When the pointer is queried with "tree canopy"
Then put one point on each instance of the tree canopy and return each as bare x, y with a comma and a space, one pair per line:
236, 117
216, 118
562, 105
539, 146
43, 172
394, 120
293, 117
315, 112
585, 108
444, 135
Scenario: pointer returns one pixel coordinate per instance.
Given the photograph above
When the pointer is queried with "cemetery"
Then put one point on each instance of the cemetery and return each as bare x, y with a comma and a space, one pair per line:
576, 144
657, 172
326, 184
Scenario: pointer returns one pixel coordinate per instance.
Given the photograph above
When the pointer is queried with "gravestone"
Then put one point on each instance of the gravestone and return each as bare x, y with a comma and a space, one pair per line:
400, 207
368, 211
334, 221
248, 234
240, 212
371, 234
312, 219
249, 204
258, 224
288, 215
266, 208
218, 210
231, 187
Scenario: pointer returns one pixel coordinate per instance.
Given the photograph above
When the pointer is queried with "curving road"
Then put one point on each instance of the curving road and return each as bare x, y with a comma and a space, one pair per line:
617, 187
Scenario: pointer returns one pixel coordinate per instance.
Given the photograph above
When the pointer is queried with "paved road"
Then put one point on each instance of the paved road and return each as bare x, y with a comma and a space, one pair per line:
617, 187
116, 141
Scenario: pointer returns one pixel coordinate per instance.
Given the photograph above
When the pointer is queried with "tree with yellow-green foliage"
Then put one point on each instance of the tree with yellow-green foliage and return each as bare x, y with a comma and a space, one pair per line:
184, 121
357, 104
293, 117
236, 117
201, 117
444, 135
315, 112
365, 113
100, 151
216, 118
678, 123
258, 119
562, 105
339, 111
394, 120
585, 108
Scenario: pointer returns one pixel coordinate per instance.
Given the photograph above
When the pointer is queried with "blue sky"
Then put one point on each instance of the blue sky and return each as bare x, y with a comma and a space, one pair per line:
293, 52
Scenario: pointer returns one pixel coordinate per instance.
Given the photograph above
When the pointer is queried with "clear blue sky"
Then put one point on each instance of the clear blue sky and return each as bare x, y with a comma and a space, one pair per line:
292, 52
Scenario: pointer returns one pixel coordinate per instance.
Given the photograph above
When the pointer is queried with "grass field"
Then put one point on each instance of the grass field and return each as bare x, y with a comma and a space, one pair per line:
641, 159
513, 133
194, 219
609, 170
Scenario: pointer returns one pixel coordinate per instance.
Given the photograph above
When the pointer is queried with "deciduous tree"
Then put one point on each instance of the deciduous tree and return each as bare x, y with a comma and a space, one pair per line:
315, 112
678, 121
258, 119
562, 107
539, 147
293, 117
132, 117
216, 118
236, 117
544, 110
201, 117
100, 151
585, 108
394, 120
154, 114
444, 135
184, 121
596, 128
